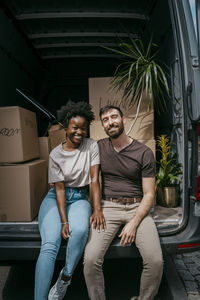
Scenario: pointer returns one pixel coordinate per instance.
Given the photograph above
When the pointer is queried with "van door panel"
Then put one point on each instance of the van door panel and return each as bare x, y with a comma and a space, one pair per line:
189, 55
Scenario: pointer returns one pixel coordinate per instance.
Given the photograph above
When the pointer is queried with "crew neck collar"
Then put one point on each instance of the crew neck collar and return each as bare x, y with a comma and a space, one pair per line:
125, 147
74, 150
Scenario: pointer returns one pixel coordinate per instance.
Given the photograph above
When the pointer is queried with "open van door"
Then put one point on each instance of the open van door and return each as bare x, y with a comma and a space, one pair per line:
189, 53
197, 22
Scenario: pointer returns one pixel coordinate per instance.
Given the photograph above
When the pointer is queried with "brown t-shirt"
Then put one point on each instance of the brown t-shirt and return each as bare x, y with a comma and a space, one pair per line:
122, 171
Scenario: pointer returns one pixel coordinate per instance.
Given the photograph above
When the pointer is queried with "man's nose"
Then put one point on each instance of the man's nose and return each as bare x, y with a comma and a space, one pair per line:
110, 122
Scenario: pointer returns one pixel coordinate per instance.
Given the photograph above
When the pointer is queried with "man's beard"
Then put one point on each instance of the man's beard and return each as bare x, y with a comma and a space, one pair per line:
117, 133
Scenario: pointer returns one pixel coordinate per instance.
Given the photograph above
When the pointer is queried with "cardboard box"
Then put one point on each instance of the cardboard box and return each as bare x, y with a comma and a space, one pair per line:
18, 135
100, 95
23, 187
44, 146
56, 136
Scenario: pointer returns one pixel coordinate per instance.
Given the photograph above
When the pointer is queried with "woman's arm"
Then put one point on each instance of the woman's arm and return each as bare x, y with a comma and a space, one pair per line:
61, 202
97, 217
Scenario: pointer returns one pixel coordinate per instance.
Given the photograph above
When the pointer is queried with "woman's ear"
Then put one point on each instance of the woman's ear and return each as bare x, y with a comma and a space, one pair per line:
124, 119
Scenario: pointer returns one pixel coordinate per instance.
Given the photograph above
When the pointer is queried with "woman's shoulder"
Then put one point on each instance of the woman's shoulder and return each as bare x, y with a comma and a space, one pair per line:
89, 141
56, 151
90, 145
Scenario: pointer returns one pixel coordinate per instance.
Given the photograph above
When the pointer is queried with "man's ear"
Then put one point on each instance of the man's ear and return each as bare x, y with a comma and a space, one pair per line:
101, 124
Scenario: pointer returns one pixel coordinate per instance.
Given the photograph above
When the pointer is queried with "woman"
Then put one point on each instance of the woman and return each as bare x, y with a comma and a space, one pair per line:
65, 211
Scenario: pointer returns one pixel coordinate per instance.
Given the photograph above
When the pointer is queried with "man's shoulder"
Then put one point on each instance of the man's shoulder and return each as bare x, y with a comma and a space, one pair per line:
103, 141
139, 146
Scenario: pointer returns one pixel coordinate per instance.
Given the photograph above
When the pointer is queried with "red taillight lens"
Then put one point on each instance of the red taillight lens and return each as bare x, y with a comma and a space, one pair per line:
188, 245
198, 189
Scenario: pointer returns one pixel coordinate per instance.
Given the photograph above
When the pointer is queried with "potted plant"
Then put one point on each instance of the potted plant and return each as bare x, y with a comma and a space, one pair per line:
140, 73
168, 173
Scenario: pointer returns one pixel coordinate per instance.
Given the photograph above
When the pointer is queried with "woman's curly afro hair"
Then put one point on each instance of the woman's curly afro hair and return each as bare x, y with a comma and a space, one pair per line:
73, 109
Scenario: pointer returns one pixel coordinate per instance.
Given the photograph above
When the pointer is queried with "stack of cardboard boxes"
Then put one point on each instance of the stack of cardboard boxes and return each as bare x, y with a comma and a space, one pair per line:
56, 136
23, 171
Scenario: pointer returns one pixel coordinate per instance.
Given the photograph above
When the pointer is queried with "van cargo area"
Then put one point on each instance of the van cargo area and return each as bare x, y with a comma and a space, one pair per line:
51, 50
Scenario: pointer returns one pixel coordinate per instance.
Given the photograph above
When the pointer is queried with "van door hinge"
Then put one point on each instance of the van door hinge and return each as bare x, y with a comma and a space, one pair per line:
195, 61
190, 135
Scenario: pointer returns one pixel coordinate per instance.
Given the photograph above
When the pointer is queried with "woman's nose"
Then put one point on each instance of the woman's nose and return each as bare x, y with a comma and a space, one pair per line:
79, 131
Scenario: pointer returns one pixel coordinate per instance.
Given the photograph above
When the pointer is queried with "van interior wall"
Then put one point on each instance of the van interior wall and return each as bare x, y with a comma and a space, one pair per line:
68, 79
20, 67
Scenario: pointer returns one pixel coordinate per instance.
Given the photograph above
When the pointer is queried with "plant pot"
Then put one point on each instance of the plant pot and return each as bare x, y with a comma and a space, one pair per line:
167, 196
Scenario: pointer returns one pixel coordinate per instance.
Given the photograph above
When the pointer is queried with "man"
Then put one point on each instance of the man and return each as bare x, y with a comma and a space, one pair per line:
128, 187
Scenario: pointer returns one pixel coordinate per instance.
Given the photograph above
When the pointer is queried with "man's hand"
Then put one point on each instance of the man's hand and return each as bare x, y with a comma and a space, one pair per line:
98, 221
128, 233
65, 231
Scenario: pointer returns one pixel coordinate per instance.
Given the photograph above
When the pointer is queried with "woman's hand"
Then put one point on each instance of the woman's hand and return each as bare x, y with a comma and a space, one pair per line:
98, 220
65, 231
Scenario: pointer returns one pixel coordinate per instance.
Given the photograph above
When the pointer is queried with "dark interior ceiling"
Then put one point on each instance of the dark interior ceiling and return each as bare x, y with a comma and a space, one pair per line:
77, 29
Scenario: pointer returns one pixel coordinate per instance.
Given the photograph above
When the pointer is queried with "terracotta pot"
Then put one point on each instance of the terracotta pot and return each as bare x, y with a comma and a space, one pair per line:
167, 196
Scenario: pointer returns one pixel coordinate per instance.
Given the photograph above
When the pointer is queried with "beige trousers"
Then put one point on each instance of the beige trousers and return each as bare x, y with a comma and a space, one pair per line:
147, 242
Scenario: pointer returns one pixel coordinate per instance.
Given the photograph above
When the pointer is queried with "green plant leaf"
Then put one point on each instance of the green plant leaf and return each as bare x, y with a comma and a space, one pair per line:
140, 72
169, 169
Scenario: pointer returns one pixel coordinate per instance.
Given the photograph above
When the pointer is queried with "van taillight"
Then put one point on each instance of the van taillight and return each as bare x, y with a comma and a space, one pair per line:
188, 245
198, 180
198, 189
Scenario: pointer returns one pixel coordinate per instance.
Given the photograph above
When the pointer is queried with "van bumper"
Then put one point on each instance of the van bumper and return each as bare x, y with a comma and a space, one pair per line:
29, 250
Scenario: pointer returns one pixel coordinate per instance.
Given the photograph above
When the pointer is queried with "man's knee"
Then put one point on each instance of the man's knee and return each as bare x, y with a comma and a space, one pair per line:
158, 263
92, 263
154, 262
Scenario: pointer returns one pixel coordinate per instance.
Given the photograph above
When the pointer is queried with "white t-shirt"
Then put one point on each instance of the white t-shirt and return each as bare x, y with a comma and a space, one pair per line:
73, 167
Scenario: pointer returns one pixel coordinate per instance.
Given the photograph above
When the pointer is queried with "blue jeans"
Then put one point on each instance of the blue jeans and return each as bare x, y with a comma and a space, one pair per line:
78, 211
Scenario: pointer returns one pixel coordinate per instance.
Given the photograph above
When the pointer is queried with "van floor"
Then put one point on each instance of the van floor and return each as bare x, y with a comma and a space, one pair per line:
167, 217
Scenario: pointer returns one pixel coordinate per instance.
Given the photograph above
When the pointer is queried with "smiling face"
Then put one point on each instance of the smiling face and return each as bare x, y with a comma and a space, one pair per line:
112, 123
76, 131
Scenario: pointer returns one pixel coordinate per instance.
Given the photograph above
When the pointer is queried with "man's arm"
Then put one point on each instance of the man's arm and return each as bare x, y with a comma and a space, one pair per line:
97, 217
129, 231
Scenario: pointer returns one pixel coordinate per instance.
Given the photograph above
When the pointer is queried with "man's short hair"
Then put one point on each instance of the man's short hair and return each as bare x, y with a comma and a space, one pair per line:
108, 107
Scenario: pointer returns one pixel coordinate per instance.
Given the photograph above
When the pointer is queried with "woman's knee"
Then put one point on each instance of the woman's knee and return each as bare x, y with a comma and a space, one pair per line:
80, 232
50, 248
